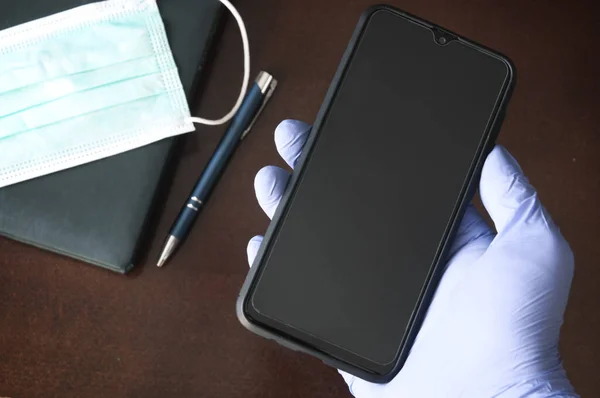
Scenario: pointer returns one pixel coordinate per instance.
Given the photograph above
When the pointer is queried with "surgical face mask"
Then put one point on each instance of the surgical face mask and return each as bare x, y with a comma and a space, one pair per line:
89, 83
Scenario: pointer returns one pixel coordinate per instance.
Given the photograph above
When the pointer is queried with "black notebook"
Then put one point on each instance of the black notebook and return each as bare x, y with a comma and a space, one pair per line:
97, 212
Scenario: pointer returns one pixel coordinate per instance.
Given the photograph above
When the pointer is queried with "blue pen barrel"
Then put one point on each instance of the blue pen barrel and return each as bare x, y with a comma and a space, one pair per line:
184, 222
217, 162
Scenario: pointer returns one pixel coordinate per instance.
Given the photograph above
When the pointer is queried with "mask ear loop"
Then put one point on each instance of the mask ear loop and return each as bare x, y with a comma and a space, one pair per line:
246, 79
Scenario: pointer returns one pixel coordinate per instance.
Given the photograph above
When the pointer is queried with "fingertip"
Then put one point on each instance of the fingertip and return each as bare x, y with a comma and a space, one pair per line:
269, 184
359, 387
253, 247
500, 163
505, 190
290, 137
265, 181
287, 131
348, 378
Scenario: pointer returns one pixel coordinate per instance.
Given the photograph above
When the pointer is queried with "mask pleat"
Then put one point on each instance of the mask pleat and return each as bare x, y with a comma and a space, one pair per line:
18, 100
83, 102
154, 118
102, 45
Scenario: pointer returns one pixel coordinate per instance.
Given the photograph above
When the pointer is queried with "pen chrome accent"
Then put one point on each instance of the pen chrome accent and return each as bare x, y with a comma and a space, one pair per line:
267, 85
168, 250
254, 103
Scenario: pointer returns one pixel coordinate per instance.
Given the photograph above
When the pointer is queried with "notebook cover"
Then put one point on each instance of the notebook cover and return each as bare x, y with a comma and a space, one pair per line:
97, 212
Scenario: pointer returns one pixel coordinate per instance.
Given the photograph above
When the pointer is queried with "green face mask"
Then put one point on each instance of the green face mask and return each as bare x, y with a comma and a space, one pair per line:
85, 84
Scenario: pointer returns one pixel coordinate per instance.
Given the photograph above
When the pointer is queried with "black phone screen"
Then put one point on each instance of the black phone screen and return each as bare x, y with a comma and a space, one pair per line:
354, 245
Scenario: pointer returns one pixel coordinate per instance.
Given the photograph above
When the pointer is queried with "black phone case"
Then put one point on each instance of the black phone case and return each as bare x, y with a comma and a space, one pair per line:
435, 273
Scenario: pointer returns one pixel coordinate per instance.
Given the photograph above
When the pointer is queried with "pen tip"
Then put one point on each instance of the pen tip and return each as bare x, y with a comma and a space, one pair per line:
162, 260
169, 248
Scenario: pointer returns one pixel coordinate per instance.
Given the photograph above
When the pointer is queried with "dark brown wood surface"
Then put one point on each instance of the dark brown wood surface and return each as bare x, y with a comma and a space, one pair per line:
72, 330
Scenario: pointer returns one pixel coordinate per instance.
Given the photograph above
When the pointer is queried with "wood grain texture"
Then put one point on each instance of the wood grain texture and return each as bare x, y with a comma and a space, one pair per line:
72, 330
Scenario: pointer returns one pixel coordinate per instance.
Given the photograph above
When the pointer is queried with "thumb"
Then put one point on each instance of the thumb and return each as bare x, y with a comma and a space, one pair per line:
532, 262
507, 195
524, 224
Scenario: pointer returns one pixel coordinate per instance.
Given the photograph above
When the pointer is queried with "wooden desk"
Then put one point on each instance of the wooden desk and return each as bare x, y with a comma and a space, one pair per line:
72, 330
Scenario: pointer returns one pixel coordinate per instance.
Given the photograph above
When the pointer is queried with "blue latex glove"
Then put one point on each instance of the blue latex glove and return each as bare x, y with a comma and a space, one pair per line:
492, 328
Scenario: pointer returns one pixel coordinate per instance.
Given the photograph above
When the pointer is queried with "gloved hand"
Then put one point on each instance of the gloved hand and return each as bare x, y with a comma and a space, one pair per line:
493, 325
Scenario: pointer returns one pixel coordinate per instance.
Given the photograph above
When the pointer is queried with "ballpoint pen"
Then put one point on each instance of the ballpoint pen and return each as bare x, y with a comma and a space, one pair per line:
242, 123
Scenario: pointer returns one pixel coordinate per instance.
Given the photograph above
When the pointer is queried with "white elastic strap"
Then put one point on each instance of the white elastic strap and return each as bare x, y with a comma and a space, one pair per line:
246, 80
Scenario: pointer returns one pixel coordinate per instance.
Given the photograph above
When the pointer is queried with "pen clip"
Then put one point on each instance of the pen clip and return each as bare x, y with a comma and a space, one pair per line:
267, 97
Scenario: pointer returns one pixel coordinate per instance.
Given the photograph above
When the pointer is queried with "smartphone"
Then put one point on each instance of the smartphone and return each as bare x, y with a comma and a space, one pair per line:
356, 248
